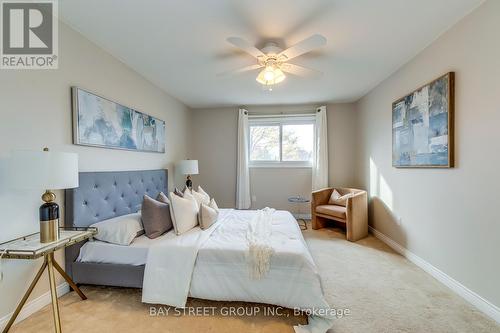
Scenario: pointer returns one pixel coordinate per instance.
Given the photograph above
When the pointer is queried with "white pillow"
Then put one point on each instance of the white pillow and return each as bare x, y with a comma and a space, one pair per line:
185, 212
202, 191
169, 202
119, 230
339, 200
201, 196
213, 205
207, 216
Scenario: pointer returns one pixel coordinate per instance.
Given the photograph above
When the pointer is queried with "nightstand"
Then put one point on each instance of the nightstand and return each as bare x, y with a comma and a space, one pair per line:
30, 247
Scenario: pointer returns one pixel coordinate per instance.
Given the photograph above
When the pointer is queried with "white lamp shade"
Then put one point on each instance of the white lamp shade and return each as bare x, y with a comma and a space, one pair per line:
43, 170
188, 167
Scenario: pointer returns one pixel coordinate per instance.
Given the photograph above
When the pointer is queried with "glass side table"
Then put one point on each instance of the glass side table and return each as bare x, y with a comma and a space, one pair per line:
30, 247
298, 201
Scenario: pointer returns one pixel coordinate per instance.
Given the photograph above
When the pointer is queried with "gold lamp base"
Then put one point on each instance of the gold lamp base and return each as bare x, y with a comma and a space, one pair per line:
49, 231
49, 218
48, 196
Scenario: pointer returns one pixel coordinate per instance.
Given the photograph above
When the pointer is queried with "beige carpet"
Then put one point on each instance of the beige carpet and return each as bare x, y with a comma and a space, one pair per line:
383, 291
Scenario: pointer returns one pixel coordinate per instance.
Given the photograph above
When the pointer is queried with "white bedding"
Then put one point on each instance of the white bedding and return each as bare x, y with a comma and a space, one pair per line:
223, 256
211, 264
106, 253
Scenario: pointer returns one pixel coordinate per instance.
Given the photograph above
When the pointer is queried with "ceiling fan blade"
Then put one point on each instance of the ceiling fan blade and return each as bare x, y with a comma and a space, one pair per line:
299, 70
307, 45
245, 46
240, 70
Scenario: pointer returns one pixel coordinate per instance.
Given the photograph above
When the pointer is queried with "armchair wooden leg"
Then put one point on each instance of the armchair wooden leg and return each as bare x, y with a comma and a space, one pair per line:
318, 222
355, 233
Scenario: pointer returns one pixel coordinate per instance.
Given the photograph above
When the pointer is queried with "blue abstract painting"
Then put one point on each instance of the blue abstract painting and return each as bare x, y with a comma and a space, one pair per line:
422, 126
103, 123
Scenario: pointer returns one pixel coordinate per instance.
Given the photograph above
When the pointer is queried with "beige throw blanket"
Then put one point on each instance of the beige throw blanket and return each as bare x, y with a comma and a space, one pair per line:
259, 244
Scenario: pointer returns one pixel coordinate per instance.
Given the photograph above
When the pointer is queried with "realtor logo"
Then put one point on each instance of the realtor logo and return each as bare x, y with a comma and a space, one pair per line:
29, 34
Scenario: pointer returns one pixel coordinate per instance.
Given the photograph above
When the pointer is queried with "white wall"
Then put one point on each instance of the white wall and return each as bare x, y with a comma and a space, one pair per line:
215, 146
449, 217
35, 109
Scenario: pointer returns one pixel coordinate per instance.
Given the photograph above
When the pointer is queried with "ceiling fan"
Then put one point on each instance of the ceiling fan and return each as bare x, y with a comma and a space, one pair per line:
274, 61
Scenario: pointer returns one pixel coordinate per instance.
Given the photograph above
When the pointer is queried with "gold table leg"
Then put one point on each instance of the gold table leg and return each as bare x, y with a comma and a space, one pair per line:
25, 297
53, 292
49, 263
68, 279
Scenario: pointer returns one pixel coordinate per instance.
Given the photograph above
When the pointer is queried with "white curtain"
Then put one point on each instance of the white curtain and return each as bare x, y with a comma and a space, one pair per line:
320, 161
243, 173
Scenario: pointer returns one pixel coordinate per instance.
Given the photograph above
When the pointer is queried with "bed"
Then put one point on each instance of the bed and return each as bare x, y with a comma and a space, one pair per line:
101, 196
207, 264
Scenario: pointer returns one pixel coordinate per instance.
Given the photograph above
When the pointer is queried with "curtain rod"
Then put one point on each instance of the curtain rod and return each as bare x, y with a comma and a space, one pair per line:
261, 115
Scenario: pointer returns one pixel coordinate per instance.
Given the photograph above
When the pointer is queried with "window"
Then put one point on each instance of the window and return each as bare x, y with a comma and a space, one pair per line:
286, 141
265, 143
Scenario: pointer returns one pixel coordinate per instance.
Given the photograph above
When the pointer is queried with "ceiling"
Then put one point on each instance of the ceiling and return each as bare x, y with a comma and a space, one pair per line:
180, 45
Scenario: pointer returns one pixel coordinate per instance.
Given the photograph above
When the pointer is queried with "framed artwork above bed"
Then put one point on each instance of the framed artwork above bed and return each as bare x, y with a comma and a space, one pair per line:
422, 126
100, 122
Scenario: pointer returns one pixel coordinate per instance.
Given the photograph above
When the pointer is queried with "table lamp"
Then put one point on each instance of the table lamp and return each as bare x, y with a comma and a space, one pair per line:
49, 171
188, 167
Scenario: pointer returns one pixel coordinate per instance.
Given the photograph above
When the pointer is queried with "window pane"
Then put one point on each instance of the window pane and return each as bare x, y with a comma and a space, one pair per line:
298, 142
264, 143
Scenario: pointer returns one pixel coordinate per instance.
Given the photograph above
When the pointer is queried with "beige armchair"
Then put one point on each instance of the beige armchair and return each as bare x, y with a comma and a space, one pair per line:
354, 215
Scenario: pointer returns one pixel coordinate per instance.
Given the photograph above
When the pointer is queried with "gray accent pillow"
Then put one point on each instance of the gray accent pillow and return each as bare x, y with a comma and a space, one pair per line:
162, 198
155, 217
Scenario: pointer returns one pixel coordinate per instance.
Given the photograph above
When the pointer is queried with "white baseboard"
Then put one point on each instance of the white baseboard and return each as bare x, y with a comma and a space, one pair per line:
34, 305
479, 302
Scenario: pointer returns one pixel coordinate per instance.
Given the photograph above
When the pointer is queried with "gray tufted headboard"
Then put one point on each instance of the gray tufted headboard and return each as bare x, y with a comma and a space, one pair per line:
104, 195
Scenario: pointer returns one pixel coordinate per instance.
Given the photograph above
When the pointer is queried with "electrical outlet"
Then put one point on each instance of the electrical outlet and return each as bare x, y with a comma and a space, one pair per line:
254, 198
400, 220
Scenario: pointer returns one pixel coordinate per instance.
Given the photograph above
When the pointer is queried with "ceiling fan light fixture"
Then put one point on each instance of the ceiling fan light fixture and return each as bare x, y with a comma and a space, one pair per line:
270, 76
